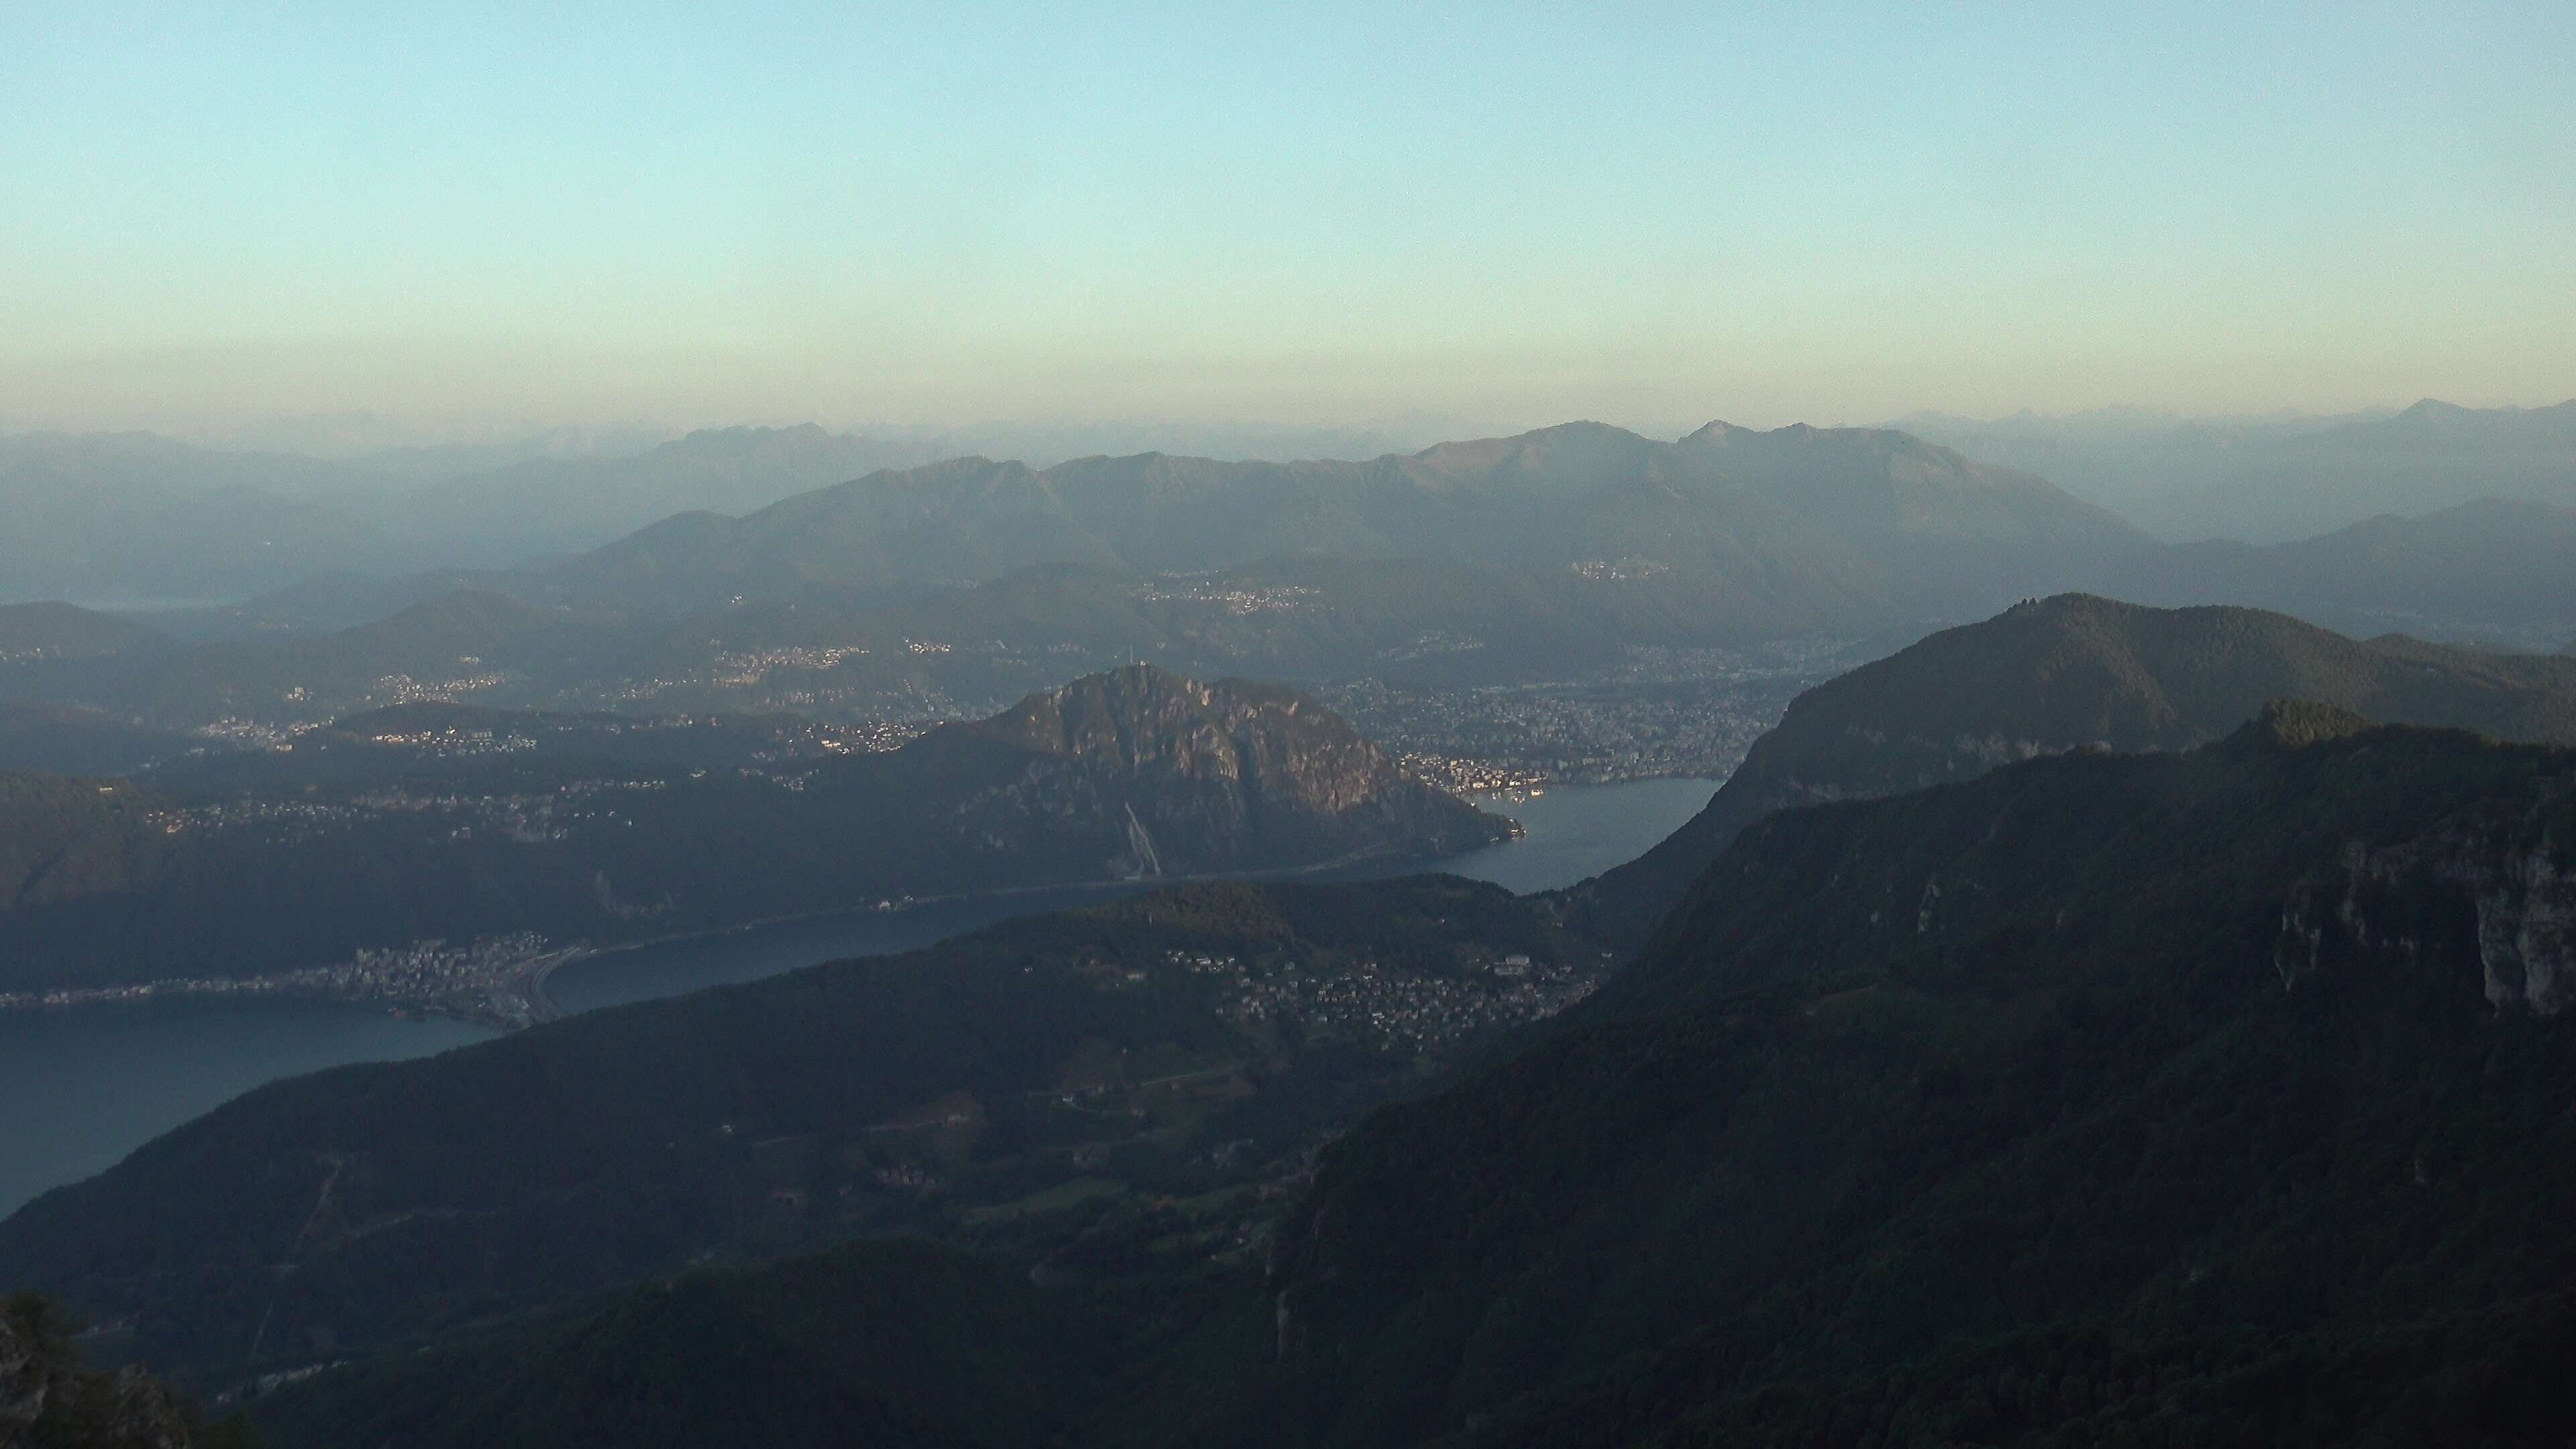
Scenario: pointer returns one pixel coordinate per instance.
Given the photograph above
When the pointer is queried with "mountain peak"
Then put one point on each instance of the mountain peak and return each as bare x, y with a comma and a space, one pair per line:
2430, 408
1136, 713
2073, 672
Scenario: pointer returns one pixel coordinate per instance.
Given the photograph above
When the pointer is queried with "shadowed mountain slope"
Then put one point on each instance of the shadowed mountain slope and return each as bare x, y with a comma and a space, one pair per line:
2216, 1098
746, 1120
57, 739
888, 1343
2221, 1097
61, 631
2069, 673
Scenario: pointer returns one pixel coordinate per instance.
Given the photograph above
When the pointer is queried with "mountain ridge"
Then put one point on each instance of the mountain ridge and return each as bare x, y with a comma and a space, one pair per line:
1734, 502
2066, 673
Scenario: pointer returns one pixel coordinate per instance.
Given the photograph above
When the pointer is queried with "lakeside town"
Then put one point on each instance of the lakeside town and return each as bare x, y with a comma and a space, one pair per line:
1409, 1012
495, 980
1659, 714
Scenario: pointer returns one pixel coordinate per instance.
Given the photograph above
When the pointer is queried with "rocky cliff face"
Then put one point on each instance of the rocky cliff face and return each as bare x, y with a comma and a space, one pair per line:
1177, 777
48, 1402
2509, 904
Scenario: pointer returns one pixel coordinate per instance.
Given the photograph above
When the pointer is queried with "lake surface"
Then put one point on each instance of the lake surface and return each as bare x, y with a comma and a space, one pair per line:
79, 1089
1569, 834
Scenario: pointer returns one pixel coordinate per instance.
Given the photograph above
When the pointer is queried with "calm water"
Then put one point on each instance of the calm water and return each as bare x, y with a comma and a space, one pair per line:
80, 1089
1570, 834
1574, 833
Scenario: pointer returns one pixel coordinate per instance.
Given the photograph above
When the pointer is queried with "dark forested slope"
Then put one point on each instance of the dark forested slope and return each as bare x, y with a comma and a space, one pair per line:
2220, 1097
1106, 1052
2068, 673
2223, 1097
886, 1343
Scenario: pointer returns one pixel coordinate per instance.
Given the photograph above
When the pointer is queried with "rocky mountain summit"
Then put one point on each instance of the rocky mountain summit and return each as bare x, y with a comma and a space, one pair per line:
49, 1401
1194, 778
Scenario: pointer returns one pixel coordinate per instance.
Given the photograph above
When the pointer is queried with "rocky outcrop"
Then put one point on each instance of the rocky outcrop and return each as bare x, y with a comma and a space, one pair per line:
46, 1399
1177, 777
2509, 904
24, 1384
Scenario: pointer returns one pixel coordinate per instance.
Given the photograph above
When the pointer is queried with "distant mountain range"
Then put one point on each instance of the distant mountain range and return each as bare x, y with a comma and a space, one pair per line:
2432, 456
2073, 673
103, 517
1799, 528
1792, 532
559, 506
137, 517
2492, 571
2271, 480
1763, 508
1487, 561
360, 842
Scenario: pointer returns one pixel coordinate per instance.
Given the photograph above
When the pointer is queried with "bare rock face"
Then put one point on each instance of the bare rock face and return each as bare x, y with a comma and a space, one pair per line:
1177, 777
45, 1398
24, 1384
2509, 903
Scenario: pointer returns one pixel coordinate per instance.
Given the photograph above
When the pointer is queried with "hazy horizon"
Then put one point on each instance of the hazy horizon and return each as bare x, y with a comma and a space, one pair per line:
365, 431
1642, 217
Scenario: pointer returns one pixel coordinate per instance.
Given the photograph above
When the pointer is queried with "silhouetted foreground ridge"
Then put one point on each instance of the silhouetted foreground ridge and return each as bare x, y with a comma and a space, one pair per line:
2224, 1097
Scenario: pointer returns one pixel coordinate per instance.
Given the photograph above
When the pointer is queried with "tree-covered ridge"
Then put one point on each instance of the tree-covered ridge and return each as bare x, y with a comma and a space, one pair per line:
2216, 1097
1183, 1045
64, 631
888, 1342
2069, 673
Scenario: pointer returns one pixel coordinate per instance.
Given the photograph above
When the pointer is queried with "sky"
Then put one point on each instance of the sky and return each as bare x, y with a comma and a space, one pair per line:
1318, 213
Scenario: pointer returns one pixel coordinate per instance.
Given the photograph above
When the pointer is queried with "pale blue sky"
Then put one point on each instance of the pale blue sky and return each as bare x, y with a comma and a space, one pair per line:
948, 213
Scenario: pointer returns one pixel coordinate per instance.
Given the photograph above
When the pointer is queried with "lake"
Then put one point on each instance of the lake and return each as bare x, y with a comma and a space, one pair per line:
84, 1087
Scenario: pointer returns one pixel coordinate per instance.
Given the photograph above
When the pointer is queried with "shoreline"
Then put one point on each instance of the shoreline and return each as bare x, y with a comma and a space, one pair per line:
529, 983
898, 905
